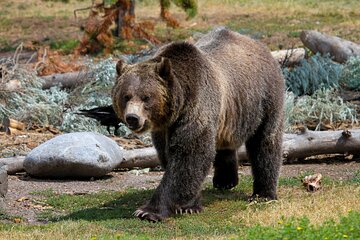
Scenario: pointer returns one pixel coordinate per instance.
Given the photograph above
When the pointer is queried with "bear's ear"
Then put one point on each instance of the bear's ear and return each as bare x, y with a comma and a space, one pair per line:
120, 67
164, 68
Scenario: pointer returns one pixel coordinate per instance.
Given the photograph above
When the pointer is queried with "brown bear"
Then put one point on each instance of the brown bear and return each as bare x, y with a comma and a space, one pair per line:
201, 102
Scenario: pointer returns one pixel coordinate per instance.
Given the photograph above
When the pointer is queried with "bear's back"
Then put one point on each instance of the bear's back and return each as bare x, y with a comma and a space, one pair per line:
221, 44
219, 38
249, 79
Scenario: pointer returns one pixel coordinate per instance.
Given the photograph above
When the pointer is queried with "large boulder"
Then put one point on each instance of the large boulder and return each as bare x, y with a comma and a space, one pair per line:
74, 155
3, 185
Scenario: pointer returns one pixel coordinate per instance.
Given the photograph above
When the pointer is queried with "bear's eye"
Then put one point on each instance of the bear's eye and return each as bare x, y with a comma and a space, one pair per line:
145, 98
127, 98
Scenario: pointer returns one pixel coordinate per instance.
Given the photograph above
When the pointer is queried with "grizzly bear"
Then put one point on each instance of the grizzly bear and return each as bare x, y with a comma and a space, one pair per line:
201, 102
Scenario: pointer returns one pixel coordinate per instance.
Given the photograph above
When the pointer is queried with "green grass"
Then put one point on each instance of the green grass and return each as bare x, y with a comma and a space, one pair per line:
66, 46
332, 213
5, 45
347, 228
356, 178
276, 23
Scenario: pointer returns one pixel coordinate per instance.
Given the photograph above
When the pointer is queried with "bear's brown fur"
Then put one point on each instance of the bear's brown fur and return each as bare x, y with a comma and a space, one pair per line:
201, 102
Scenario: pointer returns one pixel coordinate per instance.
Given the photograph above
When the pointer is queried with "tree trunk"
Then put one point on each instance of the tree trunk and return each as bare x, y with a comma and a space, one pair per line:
165, 14
125, 19
338, 48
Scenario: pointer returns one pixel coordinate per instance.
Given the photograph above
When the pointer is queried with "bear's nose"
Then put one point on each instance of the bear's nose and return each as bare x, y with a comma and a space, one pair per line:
132, 120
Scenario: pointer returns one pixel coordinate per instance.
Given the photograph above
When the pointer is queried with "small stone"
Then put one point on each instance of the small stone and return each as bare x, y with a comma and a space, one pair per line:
73, 155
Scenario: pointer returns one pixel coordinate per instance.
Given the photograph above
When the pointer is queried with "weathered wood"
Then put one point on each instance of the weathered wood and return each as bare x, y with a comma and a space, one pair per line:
21, 57
338, 48
12, 126
289, 57
312, 143
11, 86
66, 80
142, 157
305, 144
13, 164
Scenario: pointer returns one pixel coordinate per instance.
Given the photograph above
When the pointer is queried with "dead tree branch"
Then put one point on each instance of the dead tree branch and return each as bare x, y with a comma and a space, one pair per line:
66, 80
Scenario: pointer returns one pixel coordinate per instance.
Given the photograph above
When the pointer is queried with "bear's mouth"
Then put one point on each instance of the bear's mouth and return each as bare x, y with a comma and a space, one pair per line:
142, 129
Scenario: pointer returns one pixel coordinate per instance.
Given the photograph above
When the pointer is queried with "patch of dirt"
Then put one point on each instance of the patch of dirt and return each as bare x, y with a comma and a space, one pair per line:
20, 201
36, 30
21, 144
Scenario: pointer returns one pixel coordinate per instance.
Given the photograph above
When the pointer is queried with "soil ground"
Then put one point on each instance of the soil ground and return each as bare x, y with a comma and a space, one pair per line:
41, 23
22, 203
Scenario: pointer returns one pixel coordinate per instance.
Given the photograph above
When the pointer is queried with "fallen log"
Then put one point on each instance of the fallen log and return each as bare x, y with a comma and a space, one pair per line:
340, 49
295, 146
141, 157
21, 56
302, 145
66, 80
13, 164
312, 143
289, 57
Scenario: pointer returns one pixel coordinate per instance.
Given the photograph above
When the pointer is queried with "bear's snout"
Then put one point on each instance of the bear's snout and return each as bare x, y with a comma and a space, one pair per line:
132, 121
135, 116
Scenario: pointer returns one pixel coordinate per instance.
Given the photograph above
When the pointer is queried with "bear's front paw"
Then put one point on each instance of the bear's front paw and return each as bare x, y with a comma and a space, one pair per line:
147, 215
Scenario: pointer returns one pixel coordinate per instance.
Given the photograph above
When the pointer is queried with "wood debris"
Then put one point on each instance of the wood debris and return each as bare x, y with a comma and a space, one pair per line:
312, 183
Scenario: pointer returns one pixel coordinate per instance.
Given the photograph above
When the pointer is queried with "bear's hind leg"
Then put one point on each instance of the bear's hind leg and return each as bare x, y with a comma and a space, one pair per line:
225, 169
264, 151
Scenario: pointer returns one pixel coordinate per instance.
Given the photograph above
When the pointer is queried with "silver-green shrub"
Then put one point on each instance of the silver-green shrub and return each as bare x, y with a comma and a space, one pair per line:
312, 74
350, 77
323, 107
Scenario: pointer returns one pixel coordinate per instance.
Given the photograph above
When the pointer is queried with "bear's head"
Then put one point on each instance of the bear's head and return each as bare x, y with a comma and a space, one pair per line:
141, 94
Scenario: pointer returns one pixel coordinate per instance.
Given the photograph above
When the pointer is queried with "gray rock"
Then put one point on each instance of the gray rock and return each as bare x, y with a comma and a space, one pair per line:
3, 185
73, 155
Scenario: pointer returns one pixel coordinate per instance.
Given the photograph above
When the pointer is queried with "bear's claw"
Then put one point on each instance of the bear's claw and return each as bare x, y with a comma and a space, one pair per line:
143, 215
193, 210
